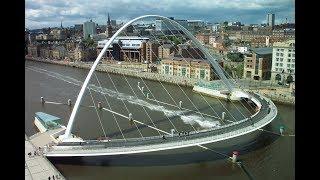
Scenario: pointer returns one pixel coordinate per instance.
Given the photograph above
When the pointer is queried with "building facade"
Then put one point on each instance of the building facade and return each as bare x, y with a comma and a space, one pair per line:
166, 50
257, 64
270, 19
190, 68
152, 51
283, 61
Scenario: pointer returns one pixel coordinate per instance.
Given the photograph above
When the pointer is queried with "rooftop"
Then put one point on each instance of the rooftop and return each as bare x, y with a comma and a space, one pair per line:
262, 51
46, 117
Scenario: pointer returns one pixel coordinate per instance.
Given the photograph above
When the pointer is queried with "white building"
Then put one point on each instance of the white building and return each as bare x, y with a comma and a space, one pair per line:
283, 61
242, 49
89, 29
128, 42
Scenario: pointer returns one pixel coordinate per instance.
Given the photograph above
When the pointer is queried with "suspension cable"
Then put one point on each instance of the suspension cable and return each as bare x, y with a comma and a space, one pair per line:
95, 75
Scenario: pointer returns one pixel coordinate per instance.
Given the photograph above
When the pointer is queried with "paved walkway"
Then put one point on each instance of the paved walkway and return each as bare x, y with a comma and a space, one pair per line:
38, 167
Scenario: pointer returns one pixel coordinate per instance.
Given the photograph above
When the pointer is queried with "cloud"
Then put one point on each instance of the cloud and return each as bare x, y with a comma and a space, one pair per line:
41, 13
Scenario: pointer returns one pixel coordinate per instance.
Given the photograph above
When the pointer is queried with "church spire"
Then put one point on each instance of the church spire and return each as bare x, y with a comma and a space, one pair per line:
61, 25
109, 23
109, 27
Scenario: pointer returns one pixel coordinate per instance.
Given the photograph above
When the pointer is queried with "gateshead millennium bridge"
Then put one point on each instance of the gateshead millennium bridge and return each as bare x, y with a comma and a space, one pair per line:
67, 144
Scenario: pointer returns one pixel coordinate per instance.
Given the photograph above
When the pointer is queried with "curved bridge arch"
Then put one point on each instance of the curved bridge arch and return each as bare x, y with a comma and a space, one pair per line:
214, 63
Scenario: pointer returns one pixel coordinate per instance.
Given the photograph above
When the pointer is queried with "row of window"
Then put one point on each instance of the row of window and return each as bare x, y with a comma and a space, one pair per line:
281, 69
289, 54
288, 60
282, 50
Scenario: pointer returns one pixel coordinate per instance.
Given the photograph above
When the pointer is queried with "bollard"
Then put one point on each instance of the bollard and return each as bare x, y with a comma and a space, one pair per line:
172, 132
281, 130
142, 89
223, 115
180, 104
147, 95
234, 156
130, 117
42, 100
99, 105
69, 102
139, 84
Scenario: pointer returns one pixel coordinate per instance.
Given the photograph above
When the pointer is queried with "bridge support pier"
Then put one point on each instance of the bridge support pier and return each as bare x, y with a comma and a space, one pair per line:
99, 105
223, 116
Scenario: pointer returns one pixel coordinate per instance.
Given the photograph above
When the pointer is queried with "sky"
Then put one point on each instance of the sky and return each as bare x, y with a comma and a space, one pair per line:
50, 13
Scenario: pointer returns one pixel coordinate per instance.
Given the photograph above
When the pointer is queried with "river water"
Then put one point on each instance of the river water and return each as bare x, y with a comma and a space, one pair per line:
273, 160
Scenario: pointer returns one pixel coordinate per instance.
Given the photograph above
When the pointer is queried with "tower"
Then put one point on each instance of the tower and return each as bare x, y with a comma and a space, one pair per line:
109, 28
270, 19
61, 25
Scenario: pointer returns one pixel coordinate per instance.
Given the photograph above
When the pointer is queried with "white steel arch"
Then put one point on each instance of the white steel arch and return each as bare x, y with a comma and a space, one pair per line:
215, 64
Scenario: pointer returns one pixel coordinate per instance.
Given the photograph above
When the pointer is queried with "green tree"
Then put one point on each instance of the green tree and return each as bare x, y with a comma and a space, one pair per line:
235, 57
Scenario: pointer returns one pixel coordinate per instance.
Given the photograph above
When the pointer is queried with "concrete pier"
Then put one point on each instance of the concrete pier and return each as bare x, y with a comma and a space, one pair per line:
37, 166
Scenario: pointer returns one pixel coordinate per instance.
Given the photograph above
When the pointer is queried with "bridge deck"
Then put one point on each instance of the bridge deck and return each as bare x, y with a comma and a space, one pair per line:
266, 114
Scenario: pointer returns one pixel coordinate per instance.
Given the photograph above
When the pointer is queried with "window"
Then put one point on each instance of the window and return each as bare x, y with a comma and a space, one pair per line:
281, 64
277, 59
202, 73
278, 49
293, 55
281, 54
183, 70
277, 54
289, 55
281, 59
292, 65
290, 50
293, 60
277, 69
282, 50
166, 69
289, 60
277, 64
288, 65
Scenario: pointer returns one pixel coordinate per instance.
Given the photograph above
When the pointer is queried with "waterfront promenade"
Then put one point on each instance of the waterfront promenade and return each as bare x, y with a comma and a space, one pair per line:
37, 166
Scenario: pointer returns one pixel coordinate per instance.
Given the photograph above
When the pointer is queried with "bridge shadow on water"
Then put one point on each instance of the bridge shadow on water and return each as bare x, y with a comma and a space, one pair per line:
175, 157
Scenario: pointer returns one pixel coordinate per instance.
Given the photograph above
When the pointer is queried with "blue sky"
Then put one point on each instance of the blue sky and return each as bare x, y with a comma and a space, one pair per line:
49, 13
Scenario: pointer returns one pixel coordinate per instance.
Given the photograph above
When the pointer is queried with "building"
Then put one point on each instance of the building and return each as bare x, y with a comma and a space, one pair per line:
89, 29
109, 28
242, 49
58, 34
33, 50
164, 26
125, 48
43, 37
166, 50
257, 64
188, 51
270, 19
168, 27
82, 53
151, 51
283, 61
187, 67
59, 52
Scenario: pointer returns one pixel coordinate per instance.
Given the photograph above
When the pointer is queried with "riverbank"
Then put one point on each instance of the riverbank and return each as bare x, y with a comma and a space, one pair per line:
123, 71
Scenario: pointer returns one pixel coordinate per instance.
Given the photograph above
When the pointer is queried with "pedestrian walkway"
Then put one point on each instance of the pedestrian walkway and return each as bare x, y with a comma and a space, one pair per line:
38, 167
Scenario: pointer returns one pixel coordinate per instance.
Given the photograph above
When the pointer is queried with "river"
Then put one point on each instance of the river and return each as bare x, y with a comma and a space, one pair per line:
274, 160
